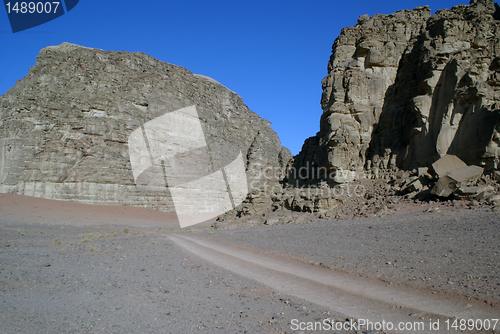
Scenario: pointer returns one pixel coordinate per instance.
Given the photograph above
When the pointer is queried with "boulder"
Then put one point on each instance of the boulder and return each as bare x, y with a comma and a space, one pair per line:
444, 187
414, 186
479, 192
446, 164
466, 175
453, 180
424, 171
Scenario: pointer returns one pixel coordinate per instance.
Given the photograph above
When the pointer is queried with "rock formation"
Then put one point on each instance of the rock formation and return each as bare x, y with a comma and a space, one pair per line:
447, 92
405, 89
64, 127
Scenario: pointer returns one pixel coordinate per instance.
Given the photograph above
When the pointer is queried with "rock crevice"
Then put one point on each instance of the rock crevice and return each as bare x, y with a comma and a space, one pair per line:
405, 89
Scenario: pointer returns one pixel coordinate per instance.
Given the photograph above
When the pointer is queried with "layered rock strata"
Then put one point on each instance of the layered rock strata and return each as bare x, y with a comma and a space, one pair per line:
64, 128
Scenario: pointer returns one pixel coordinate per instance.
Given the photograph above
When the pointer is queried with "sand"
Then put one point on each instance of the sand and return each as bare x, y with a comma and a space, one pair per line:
76, 268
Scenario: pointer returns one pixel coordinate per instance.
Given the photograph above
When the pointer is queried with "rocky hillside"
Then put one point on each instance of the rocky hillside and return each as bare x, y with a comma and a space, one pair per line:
405, 89
64, 127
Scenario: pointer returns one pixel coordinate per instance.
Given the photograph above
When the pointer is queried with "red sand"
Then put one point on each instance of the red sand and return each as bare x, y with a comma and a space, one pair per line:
39, 210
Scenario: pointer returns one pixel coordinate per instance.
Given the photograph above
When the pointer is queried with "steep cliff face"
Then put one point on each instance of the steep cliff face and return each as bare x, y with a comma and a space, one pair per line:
64, 128
445, 99
363, 65
404, 89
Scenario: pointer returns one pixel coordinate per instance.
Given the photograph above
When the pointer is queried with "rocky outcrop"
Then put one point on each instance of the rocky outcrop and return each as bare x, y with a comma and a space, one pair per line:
445, 99
364, 64
405, 89
64, 128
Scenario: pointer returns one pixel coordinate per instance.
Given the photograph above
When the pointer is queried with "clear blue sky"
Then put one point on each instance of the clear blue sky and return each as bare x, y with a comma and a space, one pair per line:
272, 53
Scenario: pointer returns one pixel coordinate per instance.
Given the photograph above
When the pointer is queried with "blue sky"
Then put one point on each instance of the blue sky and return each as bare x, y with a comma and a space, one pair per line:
272, 53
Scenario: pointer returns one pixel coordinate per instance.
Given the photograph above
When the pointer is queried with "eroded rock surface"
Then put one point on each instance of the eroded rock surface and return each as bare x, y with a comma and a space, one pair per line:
64, 127
363, 65
405, 89
445, 99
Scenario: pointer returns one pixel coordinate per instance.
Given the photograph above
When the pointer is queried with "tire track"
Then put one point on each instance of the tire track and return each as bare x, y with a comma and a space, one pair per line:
353, 296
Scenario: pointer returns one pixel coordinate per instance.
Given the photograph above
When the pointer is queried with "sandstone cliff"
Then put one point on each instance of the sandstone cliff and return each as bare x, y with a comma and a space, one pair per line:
405, 89
64, 127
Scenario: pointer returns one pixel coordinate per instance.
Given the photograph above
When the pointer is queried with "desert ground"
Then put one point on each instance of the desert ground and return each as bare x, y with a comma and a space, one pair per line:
76, 268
